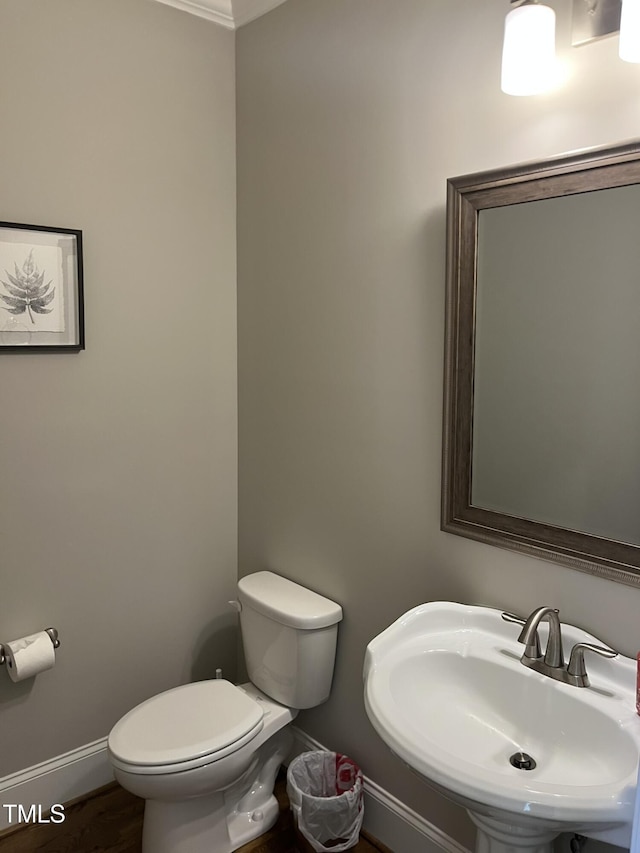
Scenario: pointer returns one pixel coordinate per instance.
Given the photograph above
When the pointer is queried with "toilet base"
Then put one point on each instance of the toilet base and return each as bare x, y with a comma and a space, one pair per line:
224, 820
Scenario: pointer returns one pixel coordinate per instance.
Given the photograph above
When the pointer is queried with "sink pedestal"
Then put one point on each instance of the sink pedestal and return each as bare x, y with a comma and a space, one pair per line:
494, 836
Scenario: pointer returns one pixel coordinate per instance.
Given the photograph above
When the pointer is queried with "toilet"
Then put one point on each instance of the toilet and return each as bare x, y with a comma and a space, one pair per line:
205, 755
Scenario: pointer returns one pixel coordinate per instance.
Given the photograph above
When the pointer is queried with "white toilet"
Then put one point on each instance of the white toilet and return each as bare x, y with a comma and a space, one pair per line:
205, 755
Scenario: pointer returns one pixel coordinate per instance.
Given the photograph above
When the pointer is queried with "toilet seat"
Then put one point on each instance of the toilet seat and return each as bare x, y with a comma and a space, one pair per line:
185, 728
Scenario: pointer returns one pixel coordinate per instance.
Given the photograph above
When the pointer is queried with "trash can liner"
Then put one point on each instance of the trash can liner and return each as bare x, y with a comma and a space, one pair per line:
325, 791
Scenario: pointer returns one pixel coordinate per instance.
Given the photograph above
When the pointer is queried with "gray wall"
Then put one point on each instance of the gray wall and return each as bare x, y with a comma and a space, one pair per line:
118, 465
351, 115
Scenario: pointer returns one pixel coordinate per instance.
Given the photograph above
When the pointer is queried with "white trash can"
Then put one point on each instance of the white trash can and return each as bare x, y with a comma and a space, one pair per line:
325, 791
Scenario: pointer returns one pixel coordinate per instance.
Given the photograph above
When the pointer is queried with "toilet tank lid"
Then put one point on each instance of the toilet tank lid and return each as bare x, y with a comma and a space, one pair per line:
287, 602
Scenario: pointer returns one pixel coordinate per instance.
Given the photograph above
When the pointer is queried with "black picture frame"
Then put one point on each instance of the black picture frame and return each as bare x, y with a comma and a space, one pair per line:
41, 289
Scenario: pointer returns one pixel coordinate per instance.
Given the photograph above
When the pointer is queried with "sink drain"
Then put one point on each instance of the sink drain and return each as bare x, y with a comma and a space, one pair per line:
522, 761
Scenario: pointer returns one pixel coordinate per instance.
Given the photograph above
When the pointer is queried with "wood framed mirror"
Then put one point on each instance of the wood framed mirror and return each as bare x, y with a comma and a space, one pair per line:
541, 438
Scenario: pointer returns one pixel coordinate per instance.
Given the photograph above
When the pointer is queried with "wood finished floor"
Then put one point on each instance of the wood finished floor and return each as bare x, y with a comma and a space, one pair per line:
110, 821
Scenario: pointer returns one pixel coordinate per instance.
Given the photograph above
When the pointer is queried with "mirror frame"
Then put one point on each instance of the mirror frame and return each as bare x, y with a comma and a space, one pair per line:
467, 196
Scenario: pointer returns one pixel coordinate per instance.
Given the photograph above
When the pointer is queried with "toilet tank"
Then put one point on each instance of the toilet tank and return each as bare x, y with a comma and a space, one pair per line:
289, 635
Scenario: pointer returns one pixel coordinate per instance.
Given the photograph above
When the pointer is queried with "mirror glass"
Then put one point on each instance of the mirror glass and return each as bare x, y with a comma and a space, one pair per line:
542, 390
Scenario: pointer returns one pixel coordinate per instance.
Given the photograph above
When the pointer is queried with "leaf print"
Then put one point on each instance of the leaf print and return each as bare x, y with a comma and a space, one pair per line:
38, 305
28, 292
14, 291
29, 265
17, 303
15, 281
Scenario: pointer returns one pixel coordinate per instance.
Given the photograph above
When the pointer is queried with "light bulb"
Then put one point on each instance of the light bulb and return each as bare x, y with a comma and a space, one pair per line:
529, 52
630, 31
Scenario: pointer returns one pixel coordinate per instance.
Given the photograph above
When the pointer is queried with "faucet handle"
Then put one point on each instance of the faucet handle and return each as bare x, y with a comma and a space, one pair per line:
533, 649
576, 667
511, 617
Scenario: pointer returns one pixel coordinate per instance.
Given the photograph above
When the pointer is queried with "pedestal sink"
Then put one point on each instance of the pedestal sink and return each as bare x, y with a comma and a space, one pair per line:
527, 756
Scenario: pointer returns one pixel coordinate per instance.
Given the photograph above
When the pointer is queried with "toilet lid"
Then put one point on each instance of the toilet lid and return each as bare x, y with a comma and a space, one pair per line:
185, 723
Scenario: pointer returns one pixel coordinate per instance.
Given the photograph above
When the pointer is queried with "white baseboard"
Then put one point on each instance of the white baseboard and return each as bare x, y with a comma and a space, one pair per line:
58, 780
388, 819
82, 770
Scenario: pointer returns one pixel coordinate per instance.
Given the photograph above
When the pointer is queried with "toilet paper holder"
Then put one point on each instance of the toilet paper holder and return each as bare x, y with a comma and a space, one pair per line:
53, 634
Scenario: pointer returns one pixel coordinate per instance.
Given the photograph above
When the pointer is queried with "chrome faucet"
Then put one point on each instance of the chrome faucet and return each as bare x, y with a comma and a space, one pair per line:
552, 664
553, 656
532, 657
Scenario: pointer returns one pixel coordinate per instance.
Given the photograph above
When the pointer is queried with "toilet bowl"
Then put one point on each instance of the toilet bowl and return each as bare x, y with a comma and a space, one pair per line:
205, 755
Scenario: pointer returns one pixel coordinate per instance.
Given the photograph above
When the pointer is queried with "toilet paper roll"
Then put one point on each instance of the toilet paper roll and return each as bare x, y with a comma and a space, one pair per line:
30, 655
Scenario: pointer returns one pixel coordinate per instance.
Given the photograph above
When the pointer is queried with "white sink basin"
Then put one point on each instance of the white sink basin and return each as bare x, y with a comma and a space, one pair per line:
445, 689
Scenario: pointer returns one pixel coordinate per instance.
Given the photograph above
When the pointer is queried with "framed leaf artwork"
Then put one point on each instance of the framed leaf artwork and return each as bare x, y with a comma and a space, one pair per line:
41, 295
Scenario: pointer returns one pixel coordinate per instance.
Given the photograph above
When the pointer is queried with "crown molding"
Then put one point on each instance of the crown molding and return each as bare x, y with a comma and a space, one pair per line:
228, 13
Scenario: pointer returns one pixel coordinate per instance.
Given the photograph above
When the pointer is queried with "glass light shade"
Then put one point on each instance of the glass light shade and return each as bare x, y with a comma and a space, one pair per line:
630, 31
529, 51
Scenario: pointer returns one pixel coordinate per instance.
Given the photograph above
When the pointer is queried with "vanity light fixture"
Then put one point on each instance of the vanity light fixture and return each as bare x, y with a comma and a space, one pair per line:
529, 64
529, 49
630, 31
